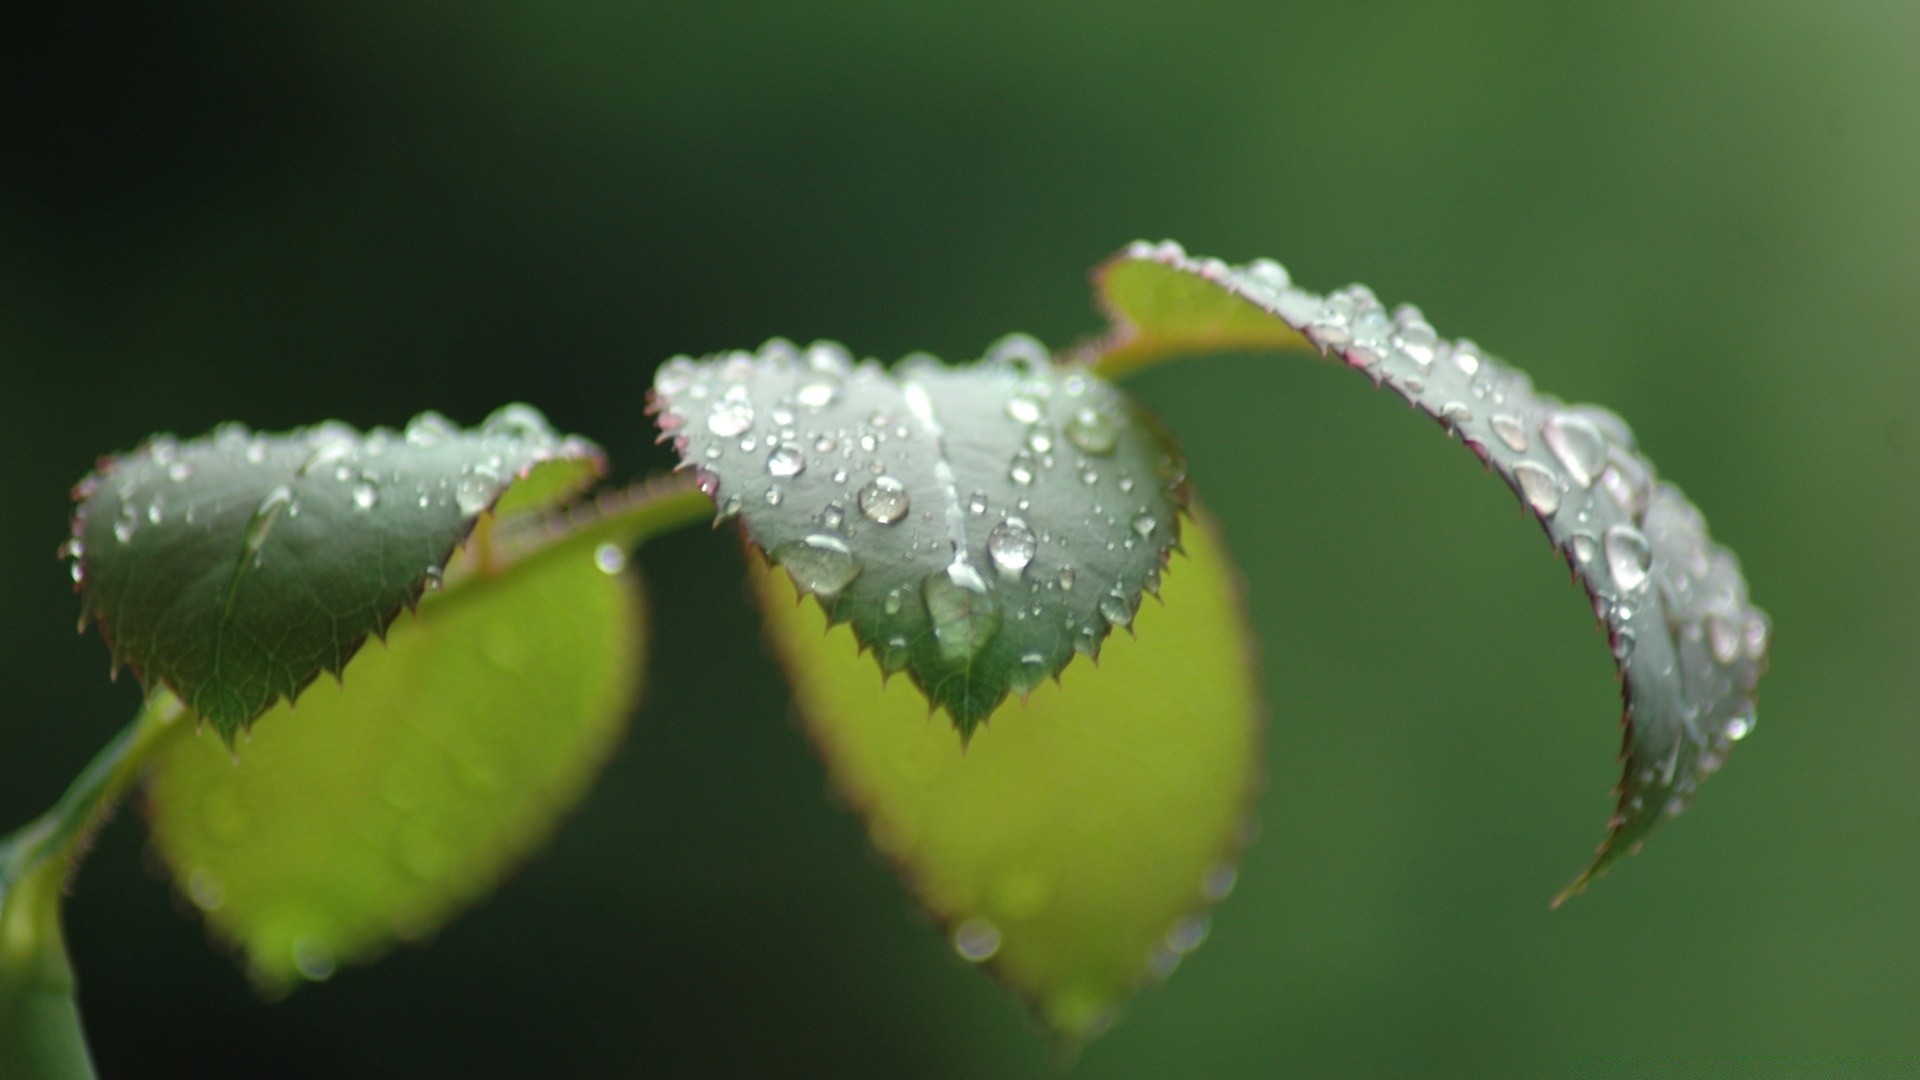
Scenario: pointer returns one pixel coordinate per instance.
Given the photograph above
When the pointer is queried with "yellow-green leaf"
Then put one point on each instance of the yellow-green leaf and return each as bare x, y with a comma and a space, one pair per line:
1075, 845
405, 793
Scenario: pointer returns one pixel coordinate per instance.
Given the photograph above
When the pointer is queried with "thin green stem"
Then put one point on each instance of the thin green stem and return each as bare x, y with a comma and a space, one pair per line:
40, 1034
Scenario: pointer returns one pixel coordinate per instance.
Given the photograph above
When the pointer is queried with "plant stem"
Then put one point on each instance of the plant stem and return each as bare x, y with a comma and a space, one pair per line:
40, 1033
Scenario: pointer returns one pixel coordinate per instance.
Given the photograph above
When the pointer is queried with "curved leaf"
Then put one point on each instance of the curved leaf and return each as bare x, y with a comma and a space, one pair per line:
1689, 645
236, 567
1075, 845
407, 792
976, 525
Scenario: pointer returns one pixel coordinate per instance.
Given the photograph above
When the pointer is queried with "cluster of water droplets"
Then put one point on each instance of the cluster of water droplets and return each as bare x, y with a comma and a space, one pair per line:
830, 461
1675, 607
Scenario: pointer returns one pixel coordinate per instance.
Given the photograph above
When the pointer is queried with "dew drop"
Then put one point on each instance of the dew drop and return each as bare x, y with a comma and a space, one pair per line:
892, 604
1585, 547
1115, 609
1093, 431
1627, 481
965, 615
1628, 556
821, 565
1021, 471
313, 957
1012, 546
1144, 525
884, 500
1417, 341
1723, 639
1578, 444
1466, 357
364, 497
180, 471
1740, 727
206, 890
1539, 485
976, 940
1510, 432
817, 393
1219, 881
1188, 934
1755, 636
609, 558
786, 460
733, 415
1066, 578
1024, 409
775, 496
977, 503
276, 503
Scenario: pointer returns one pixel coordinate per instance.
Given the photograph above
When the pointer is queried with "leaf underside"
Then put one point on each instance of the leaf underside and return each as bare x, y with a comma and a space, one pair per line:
1075, 846
1688, 644
977, 526
235, 568
403, 795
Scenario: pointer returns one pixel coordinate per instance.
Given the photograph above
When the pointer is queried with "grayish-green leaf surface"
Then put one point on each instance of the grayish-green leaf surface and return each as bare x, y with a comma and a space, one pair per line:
1689, 645
237, 567
976, 525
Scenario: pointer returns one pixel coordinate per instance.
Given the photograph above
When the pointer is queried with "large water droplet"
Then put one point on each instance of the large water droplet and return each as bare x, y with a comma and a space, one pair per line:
821, 565
816, 393
1417, 341
732, 414
1539, 485
965, 615
1093, 431
1628, 556
1144, 524
1115, 608
786, 460
1012, 546
1630, 485
1024, 409
1723, 639
609, 558
1579, 445
976, 940
884, 500
1510, 432
264, 516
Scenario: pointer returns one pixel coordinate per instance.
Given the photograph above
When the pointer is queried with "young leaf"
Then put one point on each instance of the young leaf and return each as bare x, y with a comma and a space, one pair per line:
235, 568
976, 525
1076, 843
406, 793
1689, 645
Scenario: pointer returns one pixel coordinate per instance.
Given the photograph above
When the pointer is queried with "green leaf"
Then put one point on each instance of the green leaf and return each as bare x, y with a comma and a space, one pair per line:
1689, 645
976, 525
1075, 845
235, 568
401, 796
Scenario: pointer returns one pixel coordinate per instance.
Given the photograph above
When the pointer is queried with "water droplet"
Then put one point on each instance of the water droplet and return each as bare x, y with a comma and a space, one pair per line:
977, 503
786, 460
1089, 476
1628, 556
1115, 608
126, 523
472, 494
1723, 639
1740, 727
732, 415
1417, 341
1585, 547
364, 497
180, 471
1039, 441
893, 602
830, 357
264, 516
1066, 578
965, 615
1144, 525
1012, 546
1754, 637
1510, 432
1024, 409
821, 565
817, 393
1093, 431
1578, 444
156, 510
313, 957
1268, 273
1021, 471
1219, 881
1630, 485
1539, 485
884, 500
976, 940
206, 890
775, 496
1466, 356
609, 558
1456, 413
1189, 934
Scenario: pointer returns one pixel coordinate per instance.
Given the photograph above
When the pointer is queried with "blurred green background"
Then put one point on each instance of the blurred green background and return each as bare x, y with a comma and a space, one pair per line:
1706, 216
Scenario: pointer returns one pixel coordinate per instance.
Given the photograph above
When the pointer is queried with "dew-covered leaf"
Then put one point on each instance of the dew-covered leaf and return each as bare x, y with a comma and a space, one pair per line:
395, 799
976, 525
1076, 844
1689, 645
235, 568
